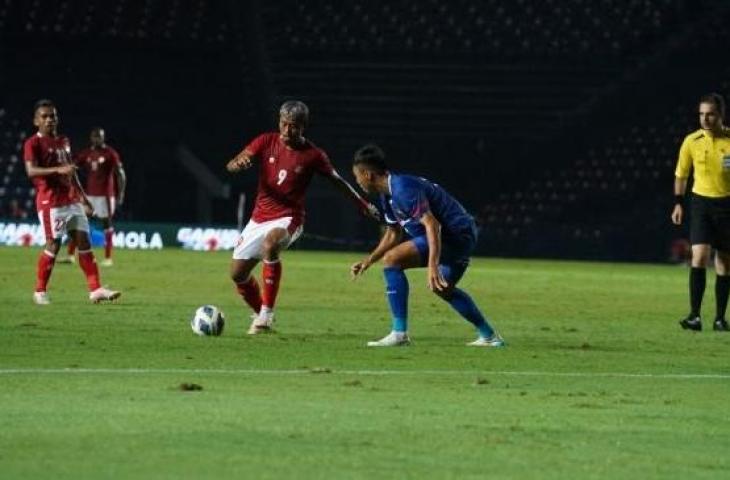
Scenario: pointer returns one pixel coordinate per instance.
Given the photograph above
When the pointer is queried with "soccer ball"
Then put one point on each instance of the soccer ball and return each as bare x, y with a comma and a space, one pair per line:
208, 320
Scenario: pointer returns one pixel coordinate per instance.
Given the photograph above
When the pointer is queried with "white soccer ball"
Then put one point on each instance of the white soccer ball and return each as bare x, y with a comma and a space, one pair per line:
208, 320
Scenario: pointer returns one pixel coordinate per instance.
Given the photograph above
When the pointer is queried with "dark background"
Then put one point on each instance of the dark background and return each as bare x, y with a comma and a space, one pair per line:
556, 122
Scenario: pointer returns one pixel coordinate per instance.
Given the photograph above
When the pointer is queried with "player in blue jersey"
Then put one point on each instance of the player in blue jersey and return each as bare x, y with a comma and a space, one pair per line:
442, 236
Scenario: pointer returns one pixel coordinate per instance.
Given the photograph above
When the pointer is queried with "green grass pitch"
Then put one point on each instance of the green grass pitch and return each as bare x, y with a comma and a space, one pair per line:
597, 381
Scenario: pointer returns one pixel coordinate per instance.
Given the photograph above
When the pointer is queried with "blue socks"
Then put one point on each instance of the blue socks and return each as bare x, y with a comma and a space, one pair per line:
396, 289
462, 303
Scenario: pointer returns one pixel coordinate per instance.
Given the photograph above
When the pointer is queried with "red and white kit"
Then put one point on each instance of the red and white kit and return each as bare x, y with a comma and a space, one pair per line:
284, 175
60, 210
100, 165
58, 201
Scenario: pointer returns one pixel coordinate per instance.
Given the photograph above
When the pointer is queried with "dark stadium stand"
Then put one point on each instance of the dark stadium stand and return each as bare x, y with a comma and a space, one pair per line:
14, 186
554, 28
557, 121
456, 68
148, 20
153, 73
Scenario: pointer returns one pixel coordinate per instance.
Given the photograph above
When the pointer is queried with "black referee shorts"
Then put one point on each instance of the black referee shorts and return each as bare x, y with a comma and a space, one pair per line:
710, 222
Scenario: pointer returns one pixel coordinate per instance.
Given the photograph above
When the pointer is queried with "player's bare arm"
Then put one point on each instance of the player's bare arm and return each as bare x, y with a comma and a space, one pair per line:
121, 181
391, 237
242, 161
680, 187
35, 171
367, 208
436, 281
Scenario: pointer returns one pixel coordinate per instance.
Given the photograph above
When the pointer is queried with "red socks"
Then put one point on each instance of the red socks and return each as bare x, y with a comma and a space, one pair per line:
272, 275
108, 235
71, 248
262, 304
251, 293
88, 265
45, 266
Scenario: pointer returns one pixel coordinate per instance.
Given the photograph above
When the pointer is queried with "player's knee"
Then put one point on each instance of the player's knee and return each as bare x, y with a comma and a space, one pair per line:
391, 260
700, 256
446, 293
722, 263
239, 275
82, 241
271, 249
53, 246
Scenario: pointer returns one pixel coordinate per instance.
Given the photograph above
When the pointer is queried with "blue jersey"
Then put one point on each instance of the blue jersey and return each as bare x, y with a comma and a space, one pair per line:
411, 197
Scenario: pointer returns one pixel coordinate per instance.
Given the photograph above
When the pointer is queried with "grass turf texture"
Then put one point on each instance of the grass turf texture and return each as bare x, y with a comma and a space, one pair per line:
313, 402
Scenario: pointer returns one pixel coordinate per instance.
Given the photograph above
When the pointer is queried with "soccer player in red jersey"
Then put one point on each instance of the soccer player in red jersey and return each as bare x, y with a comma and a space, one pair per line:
60, 201
105, 185
287, 162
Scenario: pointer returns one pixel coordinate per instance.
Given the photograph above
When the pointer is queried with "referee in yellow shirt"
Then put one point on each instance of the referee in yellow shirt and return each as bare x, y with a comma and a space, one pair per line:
706, 152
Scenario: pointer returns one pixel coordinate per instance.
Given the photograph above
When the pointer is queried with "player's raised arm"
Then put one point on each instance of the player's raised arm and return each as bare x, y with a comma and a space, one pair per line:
242, 161
366, 208
391, 237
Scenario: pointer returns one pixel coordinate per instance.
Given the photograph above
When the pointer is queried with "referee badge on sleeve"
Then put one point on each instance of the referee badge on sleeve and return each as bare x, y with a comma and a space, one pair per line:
726, 161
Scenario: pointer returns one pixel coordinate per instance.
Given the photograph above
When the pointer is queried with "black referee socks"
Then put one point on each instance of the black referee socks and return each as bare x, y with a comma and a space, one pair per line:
697, 280
722, 288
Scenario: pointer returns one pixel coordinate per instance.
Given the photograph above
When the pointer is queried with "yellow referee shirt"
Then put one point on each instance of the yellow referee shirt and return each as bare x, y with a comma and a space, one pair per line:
709, 156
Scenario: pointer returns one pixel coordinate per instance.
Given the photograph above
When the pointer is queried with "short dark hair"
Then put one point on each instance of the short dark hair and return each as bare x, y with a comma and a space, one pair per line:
371, 157
717, 99
43, 102
296, 111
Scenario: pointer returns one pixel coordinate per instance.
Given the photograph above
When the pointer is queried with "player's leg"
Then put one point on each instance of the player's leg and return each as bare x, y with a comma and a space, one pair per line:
246, 255
465, 305
275, 240
70, 252
265, 241
105, 215
78, 229
246, 284
53, 226
697, 281
722, 289
721, 222
398, 259
455, 254
701, 234
106, 223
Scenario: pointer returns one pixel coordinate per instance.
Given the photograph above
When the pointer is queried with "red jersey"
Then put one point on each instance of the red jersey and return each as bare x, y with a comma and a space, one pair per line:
99, 165
51, 190
284, 175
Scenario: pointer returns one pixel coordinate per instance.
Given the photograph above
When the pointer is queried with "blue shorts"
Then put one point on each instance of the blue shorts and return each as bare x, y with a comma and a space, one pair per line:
455, 252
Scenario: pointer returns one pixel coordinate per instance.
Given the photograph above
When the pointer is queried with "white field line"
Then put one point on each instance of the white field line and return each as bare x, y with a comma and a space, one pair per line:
324, 370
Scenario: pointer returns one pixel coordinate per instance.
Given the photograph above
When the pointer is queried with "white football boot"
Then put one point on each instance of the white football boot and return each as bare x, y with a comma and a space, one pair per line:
261, 325
102, 294
493, 341
107, 262
41, 298
66, 259
393, 339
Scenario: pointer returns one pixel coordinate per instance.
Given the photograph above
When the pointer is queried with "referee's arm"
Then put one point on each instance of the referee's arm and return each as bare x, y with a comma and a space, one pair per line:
680, 187
681, 175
